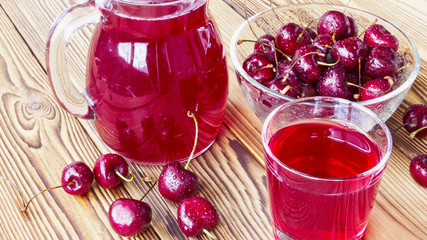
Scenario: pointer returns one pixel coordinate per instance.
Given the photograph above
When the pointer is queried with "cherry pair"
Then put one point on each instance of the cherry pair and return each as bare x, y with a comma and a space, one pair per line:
196, 215
126, 216
177, 184
415, 122
77, 177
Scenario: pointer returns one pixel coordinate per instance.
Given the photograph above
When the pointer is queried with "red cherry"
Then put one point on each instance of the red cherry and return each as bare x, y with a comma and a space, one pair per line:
333, 83
352, 28
110, 169
415, 120
381, 62
309, 90
311, 33
290, 37
259, 67
348, 51
418, 169
375, 88
322, 41
377, 35
77, 178
307, 65
285, 67
195, 215
290, 87
129, 217
267, 47
333, 22
177, 183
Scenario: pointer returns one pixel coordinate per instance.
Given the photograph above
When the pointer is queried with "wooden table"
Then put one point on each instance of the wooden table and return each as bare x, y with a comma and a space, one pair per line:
38, 139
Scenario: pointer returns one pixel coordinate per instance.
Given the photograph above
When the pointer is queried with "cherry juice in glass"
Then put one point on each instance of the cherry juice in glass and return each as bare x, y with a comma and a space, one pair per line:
323, 173
149, 65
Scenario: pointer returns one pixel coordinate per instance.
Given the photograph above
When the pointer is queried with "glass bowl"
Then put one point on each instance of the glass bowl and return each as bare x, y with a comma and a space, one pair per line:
263, 100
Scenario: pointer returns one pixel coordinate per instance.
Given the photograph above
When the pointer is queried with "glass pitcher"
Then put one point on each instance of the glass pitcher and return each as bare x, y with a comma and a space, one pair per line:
150, 63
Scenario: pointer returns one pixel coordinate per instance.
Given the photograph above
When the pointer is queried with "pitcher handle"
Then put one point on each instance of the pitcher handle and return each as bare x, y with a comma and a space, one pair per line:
60, 34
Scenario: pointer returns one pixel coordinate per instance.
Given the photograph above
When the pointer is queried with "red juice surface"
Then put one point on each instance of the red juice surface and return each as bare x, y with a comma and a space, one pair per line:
146, 71
306, 207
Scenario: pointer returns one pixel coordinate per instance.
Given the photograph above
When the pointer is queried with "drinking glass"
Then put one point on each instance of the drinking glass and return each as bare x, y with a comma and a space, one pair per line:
324, 161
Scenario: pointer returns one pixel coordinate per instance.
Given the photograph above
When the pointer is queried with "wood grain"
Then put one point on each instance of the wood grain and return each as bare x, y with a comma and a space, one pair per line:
38, 139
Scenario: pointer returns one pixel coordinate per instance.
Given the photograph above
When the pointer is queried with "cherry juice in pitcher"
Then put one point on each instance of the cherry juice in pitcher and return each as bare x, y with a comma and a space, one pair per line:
149, 65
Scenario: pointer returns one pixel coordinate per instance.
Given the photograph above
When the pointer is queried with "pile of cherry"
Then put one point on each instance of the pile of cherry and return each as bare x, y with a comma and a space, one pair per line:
415, 122
128, 217
335, 62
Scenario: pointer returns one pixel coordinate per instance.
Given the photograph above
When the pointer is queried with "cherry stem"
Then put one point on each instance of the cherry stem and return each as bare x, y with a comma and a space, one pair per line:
305, 30
274, 47
255, 69
401, 126
123, 177
335, 31
403, 67
293, 65
263, 48
359, 76
210, 235
357, 95
412, 135
149, 179
284, 54
410, 62
253, 41
24, 209
196, 136
249, 24
285, 89
17, 190
245, 40
330, 64
390, 81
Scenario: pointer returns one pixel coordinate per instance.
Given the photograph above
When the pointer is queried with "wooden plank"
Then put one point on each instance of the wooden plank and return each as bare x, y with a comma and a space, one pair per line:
30, 20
